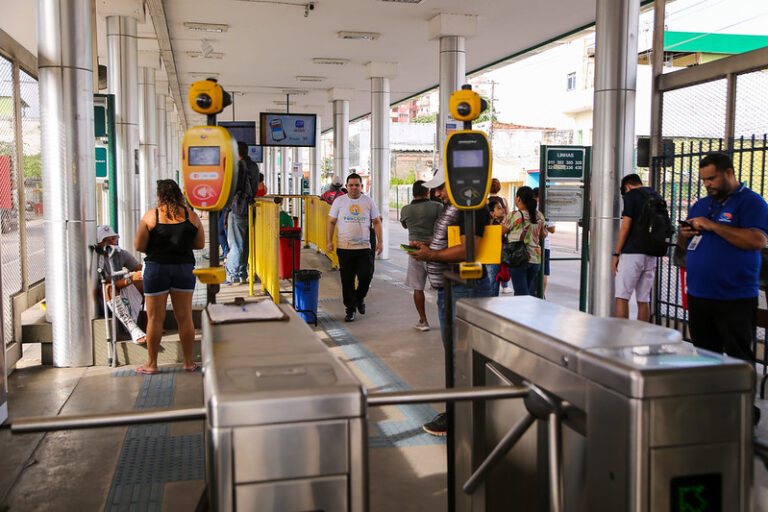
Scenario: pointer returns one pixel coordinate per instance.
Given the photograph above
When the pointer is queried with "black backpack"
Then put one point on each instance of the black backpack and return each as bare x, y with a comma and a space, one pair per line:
652, 231
243, 197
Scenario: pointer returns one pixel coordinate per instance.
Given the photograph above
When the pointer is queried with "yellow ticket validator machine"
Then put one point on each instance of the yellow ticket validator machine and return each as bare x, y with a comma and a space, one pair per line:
209, 163
209, 166
467, 158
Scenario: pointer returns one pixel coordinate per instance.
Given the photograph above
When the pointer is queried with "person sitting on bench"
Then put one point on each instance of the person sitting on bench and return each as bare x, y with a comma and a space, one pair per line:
129, 299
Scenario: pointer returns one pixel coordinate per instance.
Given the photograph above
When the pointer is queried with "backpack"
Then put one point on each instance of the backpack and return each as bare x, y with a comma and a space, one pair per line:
243, 197
652, 231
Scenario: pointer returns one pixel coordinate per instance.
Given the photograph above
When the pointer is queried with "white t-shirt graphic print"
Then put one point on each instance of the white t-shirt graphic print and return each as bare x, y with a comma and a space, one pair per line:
353, 221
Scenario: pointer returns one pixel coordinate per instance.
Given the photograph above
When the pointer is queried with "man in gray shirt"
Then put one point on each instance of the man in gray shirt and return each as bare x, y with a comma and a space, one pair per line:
419, 219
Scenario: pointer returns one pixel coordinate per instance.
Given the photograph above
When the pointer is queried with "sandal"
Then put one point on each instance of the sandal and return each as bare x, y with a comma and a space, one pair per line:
192, 368
145, 371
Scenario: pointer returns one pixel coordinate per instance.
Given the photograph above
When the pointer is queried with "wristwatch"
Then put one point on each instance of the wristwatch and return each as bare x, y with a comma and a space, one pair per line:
617, 254
128, 280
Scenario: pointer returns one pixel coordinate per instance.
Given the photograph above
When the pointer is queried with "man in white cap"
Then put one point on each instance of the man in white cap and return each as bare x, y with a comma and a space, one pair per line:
440, 257
127, 302
333, 192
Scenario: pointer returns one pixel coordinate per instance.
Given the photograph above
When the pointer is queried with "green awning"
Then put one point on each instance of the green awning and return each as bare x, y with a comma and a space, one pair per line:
703, 42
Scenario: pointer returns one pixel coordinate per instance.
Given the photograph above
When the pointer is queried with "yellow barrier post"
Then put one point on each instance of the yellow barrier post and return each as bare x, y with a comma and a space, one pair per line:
264, 249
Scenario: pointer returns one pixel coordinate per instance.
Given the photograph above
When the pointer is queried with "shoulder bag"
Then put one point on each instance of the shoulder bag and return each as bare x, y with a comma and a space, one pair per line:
515, 254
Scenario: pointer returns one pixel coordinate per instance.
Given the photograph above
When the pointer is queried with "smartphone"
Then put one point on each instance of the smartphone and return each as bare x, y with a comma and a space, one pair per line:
684, 223
409, 248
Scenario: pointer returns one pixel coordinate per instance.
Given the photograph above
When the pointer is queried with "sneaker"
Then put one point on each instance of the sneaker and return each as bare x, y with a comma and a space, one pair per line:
507, 290
422, 326
361, 308
438, 426
229, 282
350, 316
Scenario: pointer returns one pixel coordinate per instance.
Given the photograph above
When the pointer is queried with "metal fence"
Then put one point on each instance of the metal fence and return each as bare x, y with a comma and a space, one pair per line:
22, 258
680, 186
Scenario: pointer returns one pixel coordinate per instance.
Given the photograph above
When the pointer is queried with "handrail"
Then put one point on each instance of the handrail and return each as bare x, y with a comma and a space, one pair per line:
264, 245
316, 220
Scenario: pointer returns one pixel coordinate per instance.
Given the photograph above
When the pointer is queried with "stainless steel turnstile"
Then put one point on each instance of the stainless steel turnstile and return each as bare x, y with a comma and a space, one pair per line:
630, 417
285, 428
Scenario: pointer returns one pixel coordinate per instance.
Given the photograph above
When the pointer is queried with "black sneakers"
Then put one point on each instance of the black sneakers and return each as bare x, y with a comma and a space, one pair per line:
438, 426
350, 316
361, 308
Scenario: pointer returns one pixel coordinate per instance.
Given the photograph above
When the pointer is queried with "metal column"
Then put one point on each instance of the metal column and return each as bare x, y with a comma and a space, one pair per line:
453, 56
341, 138
296, 175
613, 141
122, 81
380, 154
148, 172
65, 75
162, 138
315, 163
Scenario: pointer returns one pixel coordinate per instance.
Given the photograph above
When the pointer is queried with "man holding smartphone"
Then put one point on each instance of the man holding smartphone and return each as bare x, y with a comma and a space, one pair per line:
726, 231
633, 269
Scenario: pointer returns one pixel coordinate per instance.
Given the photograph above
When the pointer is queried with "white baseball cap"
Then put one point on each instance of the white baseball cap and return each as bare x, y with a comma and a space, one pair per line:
104, 231
336, 181
437, 180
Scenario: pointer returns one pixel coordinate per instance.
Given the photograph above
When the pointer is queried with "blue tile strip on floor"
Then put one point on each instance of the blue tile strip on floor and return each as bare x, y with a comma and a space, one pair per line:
151, 456
391, 433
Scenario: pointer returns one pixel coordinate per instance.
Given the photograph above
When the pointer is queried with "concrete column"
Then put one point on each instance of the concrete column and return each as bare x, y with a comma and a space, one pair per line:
657, 68
453, 56
613, 139
65, 76
341, 138
169, 116
162, 137
122, 81
380, 154
315, 163
148, 170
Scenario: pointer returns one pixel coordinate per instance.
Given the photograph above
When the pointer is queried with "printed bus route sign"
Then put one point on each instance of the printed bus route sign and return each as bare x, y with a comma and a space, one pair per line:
565, 163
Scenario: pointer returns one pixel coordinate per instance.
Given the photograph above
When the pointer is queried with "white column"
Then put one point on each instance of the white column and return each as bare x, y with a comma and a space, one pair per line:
148, 170
162, 136
285, 171
65, 74
379, 73
341, 98
451, 30
315, 163
616, 31
122, 81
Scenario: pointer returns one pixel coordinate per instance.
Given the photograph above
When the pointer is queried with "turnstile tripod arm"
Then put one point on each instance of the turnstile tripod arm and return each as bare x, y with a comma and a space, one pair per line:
510, 438
446, 395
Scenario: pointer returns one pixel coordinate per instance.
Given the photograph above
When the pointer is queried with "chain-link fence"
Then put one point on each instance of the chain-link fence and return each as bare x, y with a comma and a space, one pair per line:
9, 207
33, 179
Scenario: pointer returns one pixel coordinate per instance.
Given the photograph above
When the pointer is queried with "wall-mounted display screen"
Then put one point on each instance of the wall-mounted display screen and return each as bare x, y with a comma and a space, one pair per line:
204, 155
297, 130
256, 153
241, 131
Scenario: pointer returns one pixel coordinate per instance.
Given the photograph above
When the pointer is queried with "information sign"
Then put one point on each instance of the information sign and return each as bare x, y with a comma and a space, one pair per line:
565, 203
563, 163
101, 163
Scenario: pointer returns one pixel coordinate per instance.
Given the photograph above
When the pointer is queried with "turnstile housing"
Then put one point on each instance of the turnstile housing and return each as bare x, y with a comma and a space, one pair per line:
651, 423
286, 423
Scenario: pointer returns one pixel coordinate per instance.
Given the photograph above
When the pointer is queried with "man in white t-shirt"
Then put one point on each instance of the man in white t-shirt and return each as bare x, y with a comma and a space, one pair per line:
352, 215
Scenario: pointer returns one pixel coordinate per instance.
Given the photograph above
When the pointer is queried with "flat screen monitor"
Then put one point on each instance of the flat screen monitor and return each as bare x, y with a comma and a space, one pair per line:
241, 131
256, 153
296, 130
204, 155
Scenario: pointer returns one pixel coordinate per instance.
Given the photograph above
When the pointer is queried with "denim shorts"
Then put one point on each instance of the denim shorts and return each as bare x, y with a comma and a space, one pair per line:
162, 278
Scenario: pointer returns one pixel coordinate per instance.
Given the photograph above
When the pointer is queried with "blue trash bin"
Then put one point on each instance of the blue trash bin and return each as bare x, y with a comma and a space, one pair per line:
307, 283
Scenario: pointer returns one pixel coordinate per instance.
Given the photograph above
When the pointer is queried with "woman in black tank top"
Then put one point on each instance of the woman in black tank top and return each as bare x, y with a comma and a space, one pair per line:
167, 235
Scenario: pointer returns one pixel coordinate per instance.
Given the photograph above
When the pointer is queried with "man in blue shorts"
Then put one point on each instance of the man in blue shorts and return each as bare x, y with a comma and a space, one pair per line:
726, 231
